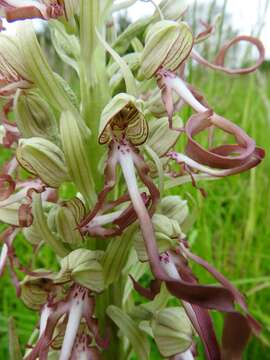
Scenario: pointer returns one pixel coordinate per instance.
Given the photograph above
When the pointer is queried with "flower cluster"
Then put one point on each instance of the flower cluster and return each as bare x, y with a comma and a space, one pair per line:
115, 141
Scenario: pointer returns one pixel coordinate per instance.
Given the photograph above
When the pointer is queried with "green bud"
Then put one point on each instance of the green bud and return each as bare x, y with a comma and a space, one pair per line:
156, 106
161, 138
32, 234
123, 115
172, 9
34, 116
175, 208
67, 226
83, 266
135, 29
167, 44
172, 331
35, 289
44, 159
167, 232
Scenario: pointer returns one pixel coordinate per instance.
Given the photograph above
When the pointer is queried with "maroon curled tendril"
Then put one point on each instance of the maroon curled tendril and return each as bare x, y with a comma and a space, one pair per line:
235, 158
219, 62
7, 186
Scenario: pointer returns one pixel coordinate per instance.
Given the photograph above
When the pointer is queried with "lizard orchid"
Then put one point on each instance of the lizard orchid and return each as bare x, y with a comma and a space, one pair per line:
92, 161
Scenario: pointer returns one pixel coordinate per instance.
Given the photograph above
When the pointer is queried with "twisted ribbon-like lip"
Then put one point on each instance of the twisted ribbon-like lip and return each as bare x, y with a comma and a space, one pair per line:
219, 61
242, 155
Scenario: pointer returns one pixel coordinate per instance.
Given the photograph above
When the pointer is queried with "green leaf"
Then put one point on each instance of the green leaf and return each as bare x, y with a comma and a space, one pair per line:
67, 46
127, 74
131, 330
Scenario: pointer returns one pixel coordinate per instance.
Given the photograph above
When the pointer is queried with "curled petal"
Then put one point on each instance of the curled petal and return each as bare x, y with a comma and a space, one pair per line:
226, 156
12, 134
21, 13
218, 63
7, 186
25, 210
217, 275
253, 161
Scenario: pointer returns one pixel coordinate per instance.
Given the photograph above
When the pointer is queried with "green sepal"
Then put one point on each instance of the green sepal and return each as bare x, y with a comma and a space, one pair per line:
43, 158
84, 267
34, 116
172, 331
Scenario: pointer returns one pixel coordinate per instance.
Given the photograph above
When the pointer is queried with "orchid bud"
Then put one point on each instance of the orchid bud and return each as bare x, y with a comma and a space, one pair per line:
172, 331
83, 266
34, 117
175, 208
161, 138
44, 159
123, 116
133, 30
167, 45
13, 71
35, 289
66, 226
172, 9
32, 234
167, 232
156, 105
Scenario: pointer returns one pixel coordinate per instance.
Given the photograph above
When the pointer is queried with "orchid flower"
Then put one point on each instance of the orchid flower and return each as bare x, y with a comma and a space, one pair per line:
77, 305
